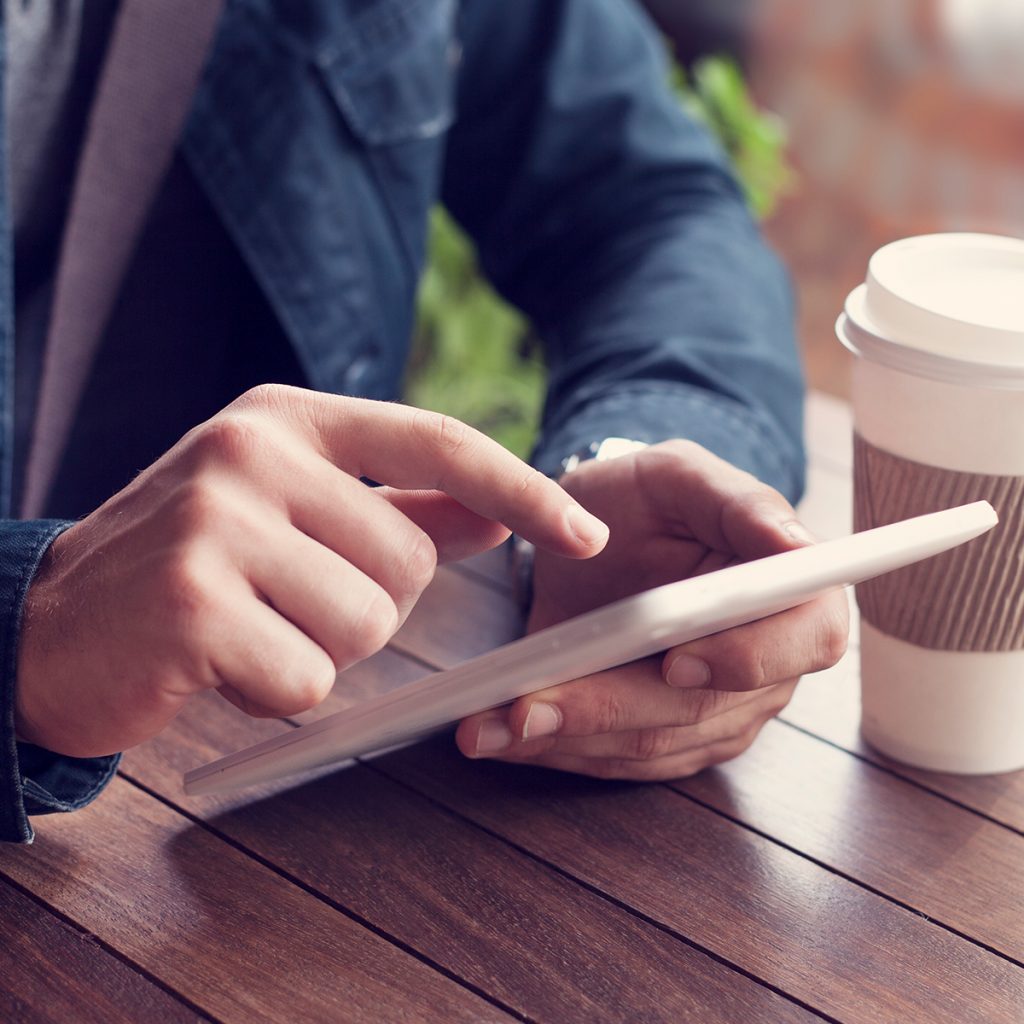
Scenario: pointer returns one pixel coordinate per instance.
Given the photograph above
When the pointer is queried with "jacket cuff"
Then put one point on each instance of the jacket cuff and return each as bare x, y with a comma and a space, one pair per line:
32, 780
654, 411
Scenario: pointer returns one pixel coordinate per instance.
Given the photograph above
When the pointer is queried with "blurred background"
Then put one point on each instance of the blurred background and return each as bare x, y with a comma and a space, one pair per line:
851, 124
903, 117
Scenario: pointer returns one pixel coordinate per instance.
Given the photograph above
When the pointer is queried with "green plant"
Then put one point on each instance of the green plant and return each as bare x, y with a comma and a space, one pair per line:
474, 356
716, 94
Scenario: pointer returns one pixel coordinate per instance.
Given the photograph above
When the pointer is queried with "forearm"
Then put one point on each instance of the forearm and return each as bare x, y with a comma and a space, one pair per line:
614, 220
32, 780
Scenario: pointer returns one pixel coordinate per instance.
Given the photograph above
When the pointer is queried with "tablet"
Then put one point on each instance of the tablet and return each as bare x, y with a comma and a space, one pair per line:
635, 627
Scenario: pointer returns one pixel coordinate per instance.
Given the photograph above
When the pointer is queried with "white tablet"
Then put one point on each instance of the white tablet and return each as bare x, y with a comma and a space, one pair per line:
633, 628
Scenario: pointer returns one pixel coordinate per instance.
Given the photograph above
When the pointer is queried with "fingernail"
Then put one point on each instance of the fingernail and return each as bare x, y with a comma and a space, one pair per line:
586, 527
493, 737
541, 720
688, 671
799, 532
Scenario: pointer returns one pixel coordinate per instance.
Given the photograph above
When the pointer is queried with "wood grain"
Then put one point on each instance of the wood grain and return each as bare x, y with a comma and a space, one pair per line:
458, 617
835, 946
494, 567
724, 898
51, 973
542, 945
233, 937
828, 705
385, 671
926, 852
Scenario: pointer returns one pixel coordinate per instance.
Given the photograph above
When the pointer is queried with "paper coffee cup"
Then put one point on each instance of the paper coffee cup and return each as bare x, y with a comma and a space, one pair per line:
938, 401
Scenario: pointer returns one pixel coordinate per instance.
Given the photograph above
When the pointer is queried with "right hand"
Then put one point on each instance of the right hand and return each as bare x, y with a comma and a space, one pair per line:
252, 559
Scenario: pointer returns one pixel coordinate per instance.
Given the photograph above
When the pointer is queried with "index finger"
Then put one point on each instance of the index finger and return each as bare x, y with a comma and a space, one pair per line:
416, 449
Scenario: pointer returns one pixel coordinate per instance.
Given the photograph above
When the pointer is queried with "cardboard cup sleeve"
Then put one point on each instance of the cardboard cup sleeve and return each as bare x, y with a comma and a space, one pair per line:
967, 599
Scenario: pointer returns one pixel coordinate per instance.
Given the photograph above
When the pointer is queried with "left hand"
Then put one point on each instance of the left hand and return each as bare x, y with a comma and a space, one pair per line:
675, 511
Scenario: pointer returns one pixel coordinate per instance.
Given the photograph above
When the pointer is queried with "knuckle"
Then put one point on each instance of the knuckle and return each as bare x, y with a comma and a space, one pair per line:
731, 750
727, 750
233, 439
448, 436
375, 627
781, 698
685, 768
833, 638
747, 737
703, 705
265, 396
651, 743
601, 712
681, 448
752, 501
188, 592
420, 562
197, 509
531, 481
309, 687
751, 667
613, 768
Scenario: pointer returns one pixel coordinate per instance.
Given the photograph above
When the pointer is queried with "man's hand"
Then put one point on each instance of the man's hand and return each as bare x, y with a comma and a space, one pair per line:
675, 510
252, 559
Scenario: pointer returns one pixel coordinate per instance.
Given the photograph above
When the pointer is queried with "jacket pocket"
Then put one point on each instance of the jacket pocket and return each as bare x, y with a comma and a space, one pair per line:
393, 79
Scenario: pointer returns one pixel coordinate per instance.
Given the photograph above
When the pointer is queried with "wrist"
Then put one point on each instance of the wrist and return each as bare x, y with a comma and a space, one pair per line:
601, 451
31, 718
523, 552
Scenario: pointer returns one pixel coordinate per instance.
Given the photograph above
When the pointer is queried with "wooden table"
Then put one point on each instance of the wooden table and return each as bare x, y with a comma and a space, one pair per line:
808, 880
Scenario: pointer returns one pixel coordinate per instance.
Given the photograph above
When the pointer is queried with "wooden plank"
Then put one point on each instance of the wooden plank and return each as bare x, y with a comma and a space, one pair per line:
466, 901
828, 705
458, 617
803, 929
387, 670
50, 972
494, 567
926, 852
231, 936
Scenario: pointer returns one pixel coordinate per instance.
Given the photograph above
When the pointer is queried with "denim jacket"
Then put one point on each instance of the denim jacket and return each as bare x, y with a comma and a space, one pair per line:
323, 130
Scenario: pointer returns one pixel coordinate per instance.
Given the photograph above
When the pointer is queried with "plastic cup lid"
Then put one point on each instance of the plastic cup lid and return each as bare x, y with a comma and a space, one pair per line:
946, 306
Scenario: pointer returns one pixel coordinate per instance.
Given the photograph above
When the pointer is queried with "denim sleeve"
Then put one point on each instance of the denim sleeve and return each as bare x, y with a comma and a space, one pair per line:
32, 780
613, 219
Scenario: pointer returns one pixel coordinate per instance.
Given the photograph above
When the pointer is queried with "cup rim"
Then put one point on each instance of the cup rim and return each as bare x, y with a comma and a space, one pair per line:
868, 342
886, 295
